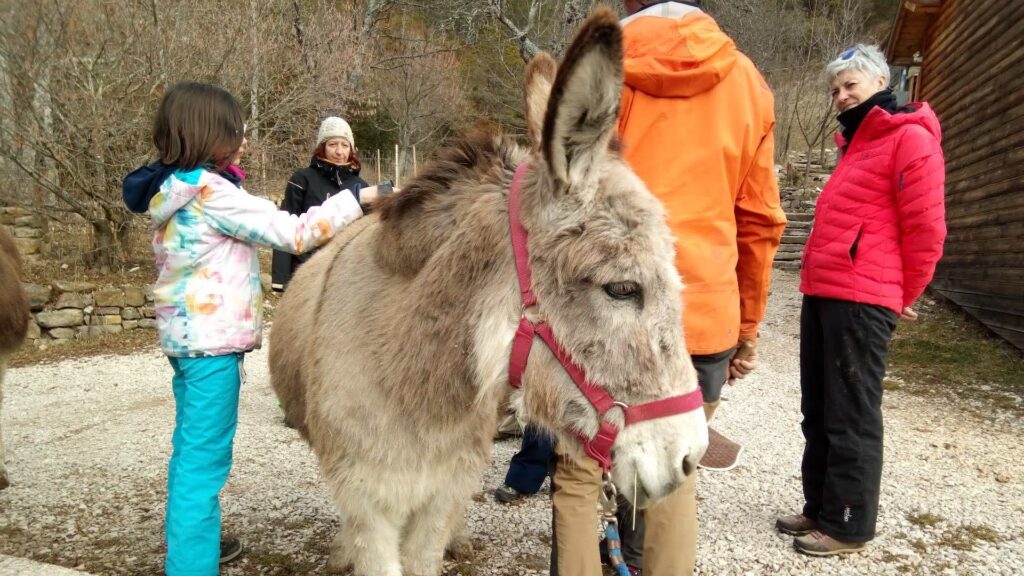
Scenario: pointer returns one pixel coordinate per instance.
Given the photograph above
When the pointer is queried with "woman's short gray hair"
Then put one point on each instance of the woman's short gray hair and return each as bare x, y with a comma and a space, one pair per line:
864, 58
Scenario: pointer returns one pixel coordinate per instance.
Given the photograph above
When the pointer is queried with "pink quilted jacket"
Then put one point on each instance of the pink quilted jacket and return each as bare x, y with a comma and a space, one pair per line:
880, 221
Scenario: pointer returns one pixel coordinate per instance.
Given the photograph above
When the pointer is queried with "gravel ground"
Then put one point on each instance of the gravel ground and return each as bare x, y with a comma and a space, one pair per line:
88, 442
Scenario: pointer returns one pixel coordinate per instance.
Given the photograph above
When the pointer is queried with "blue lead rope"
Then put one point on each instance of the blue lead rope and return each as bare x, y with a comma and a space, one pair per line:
614, 545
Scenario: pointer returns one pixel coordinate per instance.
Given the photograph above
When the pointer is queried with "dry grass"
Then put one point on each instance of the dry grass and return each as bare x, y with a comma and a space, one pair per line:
924, 519
966, 537
950, 355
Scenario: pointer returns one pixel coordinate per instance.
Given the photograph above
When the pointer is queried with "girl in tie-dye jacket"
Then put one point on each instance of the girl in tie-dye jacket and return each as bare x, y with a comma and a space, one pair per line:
209, 299
206, 230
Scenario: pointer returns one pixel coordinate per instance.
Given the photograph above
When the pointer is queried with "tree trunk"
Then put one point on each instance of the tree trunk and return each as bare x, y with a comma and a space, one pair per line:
42, 106
108, 232
254, 88
363, 44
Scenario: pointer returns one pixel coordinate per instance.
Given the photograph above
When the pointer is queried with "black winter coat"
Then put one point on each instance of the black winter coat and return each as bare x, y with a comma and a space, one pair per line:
307, 188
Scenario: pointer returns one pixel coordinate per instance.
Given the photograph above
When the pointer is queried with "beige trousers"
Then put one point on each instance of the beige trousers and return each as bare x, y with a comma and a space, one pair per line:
670, 543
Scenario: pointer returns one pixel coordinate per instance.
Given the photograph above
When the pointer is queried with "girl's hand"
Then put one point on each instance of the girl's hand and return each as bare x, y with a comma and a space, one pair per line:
368, 195
908, 314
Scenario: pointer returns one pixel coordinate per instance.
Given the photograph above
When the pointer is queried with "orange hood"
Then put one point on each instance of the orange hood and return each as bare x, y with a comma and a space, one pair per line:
668, 57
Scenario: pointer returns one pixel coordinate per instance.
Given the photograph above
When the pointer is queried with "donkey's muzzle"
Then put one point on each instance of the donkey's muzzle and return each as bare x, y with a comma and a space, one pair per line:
689, 465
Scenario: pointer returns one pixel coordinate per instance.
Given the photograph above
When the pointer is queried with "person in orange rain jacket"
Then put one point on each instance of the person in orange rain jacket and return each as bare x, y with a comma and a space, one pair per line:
696, 124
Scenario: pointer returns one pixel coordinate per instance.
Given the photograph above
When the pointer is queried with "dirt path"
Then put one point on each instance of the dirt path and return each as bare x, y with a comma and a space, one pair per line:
88, 442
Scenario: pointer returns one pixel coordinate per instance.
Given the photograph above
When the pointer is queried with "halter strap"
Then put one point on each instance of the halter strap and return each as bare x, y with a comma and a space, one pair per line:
519, 236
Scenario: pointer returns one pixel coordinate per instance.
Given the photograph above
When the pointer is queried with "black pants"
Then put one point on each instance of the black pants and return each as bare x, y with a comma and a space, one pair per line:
529, 466
843, 348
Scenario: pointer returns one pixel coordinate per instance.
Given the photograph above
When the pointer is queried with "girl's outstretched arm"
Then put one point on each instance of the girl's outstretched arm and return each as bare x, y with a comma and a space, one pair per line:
236, 213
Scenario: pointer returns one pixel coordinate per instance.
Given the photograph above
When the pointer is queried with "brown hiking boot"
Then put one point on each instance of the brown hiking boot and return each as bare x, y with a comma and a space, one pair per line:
817, 544
795, 525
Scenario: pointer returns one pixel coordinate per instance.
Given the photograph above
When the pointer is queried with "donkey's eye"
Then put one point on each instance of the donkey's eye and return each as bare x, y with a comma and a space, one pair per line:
623, 290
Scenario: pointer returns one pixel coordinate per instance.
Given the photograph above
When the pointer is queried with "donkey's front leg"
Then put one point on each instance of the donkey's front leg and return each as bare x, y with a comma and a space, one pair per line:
373, 543
426, 536
459, 546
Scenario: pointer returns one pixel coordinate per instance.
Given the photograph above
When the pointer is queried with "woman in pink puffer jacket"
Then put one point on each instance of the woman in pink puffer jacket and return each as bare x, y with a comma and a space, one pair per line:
878, 231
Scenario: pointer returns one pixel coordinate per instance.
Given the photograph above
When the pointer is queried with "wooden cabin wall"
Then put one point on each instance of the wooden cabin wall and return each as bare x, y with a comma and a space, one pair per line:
973, 77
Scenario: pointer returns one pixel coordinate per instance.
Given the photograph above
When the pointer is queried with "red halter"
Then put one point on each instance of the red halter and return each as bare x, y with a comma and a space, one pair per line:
600, 446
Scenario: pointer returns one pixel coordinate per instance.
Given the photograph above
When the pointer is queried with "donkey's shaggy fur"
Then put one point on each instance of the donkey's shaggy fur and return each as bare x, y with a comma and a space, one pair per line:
14, 317
390, 348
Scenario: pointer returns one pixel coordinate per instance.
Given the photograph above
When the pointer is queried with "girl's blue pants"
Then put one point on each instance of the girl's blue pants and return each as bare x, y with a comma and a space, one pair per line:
206, 415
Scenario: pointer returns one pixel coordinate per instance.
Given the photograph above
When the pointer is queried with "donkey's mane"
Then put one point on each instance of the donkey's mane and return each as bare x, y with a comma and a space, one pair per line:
415, 221
469, 157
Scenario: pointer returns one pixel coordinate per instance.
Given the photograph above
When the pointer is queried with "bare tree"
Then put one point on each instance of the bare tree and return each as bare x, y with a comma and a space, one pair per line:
419, 90
64, 131
80, 79
84, 77
791, 41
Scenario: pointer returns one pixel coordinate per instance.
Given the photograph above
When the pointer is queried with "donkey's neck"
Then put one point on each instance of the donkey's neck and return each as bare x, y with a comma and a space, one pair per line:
448, 241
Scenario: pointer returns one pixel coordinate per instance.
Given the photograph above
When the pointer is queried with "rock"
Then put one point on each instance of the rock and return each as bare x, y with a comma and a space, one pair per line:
33, 330
130, 313
101, 330
265, 282
60, 318
105, 320
108, 310
38, 295
147, 323
73, 300
134, 296
148, 311
149, 293
26, 232
110, 297
66, 286
62, 333
130, 324
27, 245
27, 221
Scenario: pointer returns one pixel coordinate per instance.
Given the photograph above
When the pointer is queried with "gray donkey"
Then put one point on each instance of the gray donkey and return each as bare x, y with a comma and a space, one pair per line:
391, 348
14, 316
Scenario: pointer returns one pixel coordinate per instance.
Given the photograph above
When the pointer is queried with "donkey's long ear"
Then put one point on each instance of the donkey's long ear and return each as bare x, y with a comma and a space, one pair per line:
540, 75
581, 114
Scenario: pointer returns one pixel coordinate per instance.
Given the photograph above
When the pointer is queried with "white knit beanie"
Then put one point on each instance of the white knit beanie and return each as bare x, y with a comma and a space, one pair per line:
334, 127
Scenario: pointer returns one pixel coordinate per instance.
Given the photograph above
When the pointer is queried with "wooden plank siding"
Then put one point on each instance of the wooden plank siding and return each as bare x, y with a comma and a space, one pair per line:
972, 74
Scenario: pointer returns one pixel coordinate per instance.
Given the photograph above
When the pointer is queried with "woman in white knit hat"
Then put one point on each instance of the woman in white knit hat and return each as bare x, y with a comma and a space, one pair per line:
334, 169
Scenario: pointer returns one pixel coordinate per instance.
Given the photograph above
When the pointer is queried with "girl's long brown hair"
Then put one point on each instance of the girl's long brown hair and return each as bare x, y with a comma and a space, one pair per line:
198, 124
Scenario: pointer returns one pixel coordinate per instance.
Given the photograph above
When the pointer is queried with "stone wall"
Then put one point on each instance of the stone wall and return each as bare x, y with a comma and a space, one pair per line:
30, 231
65, 311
